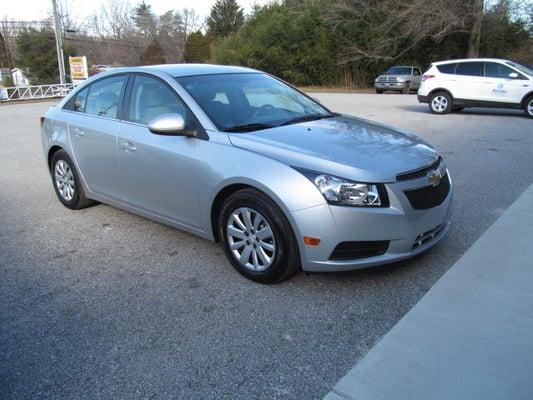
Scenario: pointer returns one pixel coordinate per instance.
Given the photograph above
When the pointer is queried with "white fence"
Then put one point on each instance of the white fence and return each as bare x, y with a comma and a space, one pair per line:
35, 92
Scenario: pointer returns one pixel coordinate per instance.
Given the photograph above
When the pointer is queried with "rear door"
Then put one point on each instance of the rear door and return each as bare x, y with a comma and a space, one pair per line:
469, 80
159, 173
93, 123
499, 87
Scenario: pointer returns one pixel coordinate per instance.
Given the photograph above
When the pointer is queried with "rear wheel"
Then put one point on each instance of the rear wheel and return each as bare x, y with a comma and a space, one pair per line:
67, 183
528, 107
440, 103
257, 237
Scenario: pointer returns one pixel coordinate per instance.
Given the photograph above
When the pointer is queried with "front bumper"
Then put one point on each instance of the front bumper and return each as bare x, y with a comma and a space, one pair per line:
399, 224
389, 85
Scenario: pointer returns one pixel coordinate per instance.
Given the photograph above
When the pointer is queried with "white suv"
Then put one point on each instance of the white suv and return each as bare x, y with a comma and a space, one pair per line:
477, 82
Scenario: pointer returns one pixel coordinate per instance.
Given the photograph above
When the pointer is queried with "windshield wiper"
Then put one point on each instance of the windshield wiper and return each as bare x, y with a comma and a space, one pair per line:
306, 118
248, 127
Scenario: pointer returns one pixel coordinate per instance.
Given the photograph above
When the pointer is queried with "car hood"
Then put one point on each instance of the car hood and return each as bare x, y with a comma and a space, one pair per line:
344, 146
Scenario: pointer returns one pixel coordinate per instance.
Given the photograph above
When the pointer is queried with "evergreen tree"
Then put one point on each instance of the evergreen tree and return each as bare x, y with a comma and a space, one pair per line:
225, 18
197, 48
153, 54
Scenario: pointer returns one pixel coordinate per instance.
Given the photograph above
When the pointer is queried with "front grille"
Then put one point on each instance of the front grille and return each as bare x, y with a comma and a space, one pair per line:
387, 79
419, 173
429, 196
428, 236
356, 250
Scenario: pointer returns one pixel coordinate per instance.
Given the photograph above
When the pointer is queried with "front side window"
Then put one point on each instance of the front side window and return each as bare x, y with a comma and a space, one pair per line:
150, 98
469, 69
249, 101
495, 70
104, 97
416, 71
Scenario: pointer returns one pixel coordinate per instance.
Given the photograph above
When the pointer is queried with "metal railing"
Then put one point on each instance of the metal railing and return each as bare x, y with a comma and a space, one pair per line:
35, 92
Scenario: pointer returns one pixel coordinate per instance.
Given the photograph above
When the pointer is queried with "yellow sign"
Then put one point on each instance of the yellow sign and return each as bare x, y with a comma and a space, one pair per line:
78, 69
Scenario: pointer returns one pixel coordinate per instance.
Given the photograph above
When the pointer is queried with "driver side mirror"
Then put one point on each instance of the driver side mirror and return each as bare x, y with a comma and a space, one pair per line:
513, 75
169, 124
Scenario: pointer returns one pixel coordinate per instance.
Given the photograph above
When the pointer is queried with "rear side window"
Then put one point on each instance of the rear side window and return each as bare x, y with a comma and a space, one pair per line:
104, 97
469, 69
447, 68
495, 70
77, 102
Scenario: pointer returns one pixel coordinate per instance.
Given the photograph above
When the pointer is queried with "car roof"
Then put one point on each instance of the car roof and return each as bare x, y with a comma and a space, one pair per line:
470, 59
179, 70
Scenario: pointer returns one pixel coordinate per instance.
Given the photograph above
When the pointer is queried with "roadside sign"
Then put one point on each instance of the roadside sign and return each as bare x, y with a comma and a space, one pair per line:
78, 69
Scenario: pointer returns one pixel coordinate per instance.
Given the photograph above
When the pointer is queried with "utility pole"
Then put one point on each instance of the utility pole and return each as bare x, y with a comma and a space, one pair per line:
59, 43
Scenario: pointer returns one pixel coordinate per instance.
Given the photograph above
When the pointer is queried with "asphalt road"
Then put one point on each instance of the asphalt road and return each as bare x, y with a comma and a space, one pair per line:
101, 304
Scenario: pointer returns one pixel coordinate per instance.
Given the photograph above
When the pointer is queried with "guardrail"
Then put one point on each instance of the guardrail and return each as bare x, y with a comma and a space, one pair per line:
35, 92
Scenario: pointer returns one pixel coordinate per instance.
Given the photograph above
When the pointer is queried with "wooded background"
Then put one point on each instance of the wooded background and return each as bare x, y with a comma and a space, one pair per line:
306, 42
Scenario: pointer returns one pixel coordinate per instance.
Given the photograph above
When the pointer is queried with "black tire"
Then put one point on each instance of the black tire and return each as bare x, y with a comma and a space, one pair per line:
379, 91
406, 88
78, 200
286, 259
443, 105
528, 107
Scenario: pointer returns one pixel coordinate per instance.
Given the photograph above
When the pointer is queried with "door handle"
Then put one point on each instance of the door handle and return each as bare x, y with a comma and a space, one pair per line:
127, 146
78, 132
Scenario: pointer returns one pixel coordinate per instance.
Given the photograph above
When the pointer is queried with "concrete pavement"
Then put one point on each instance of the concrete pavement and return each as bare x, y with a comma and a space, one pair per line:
470, 336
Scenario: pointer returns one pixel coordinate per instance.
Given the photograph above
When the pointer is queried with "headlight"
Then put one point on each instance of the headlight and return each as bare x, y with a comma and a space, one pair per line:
400, 80
343, 192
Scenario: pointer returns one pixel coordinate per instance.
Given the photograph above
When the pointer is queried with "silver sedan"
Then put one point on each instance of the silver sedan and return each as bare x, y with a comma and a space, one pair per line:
238, 156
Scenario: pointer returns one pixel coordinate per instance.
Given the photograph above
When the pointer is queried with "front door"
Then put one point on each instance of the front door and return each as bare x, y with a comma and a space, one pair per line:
159, 173
499, 87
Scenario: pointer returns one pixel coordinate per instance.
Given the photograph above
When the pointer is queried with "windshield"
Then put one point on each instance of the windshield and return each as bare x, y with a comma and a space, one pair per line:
398, 71
520, 67
250, 101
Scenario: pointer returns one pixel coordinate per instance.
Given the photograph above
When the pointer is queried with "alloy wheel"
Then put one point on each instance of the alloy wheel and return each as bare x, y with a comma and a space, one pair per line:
530, 107
250, 239
439, 103
64, 180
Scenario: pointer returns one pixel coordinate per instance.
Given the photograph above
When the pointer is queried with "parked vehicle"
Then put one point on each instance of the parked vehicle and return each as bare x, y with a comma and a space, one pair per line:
235, 155
399, 78
482, 82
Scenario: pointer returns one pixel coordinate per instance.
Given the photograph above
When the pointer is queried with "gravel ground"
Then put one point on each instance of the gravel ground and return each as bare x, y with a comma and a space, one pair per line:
101, 304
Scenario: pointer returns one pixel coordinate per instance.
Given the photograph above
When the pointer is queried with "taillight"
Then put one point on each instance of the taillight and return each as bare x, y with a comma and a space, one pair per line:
426, 77
42, 120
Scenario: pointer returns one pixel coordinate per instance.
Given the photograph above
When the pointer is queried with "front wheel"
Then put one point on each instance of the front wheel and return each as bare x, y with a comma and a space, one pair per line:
405, 89
440, 103
379, 91
528, 107
257, 237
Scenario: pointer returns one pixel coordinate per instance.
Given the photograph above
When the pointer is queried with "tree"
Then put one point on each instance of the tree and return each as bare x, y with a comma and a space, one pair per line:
474, 42
226, 17
153, 54
145, 20
197, 48
36, 52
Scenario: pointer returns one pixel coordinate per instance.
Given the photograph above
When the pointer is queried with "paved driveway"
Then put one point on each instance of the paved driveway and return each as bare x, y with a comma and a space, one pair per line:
100, 303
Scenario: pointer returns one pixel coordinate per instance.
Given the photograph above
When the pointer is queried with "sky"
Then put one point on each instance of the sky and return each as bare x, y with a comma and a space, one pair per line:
30, 10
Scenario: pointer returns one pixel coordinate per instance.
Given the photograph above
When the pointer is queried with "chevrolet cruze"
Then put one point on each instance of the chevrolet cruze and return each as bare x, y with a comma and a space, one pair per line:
238, 156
